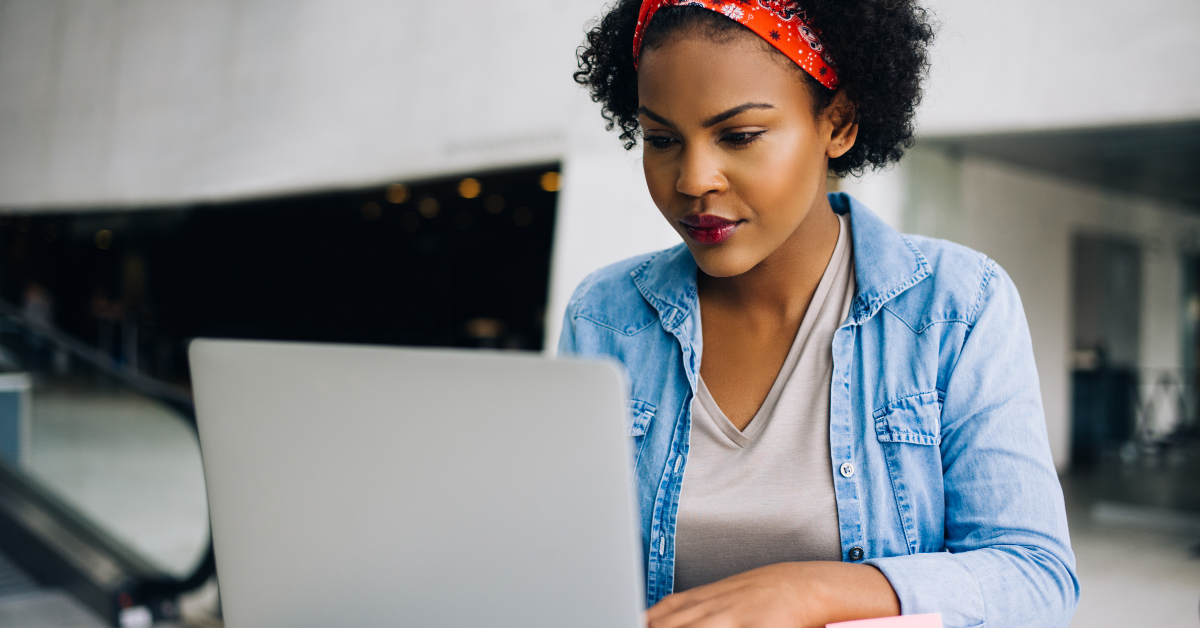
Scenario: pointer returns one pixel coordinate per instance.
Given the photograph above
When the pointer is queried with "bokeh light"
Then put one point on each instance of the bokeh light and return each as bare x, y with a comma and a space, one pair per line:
428, 207
397, 193
469, 188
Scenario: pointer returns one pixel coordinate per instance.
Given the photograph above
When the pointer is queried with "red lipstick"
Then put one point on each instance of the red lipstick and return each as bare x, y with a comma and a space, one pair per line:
709, 229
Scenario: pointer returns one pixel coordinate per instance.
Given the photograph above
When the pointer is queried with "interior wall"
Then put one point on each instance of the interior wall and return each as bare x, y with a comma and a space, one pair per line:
1038, 64
109, 103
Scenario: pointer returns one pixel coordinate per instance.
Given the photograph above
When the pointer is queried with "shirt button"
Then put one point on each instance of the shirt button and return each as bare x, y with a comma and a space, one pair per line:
847, 469
856, 553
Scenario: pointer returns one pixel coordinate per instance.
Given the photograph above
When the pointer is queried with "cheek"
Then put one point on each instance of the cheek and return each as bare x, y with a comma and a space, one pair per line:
780, 177
660, 179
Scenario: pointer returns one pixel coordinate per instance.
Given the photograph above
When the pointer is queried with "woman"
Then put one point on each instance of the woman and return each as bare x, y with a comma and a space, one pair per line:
830, 420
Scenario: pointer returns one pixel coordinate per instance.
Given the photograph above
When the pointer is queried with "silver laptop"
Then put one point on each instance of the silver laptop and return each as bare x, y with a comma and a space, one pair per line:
367, 486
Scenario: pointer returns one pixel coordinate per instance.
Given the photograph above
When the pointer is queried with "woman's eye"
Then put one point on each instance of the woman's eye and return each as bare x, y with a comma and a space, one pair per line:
659, 142
742, 138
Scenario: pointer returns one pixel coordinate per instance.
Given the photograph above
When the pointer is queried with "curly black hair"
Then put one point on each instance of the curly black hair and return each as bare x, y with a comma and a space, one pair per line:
879, 48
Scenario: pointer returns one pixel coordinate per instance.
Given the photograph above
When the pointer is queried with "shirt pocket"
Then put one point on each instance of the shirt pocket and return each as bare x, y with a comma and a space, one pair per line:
640, 414
915, 419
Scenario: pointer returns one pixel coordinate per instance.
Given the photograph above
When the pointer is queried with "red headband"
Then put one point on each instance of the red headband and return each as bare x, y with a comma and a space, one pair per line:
780, 22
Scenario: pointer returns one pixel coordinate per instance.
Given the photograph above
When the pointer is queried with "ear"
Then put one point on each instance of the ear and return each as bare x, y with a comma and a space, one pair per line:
841, 118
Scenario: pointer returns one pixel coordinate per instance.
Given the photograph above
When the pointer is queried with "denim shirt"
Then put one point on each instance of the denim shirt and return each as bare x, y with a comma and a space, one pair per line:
941, 465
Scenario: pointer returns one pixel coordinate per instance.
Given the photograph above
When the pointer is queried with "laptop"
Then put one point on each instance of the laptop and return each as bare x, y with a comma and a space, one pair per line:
368, 486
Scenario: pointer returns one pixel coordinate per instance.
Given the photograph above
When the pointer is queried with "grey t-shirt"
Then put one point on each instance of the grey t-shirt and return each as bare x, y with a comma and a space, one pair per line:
765, 495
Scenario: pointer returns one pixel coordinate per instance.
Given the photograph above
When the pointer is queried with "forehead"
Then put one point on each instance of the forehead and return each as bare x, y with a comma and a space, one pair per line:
695, 72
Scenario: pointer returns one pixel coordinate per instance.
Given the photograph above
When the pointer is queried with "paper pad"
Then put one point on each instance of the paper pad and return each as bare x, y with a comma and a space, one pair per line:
932, 620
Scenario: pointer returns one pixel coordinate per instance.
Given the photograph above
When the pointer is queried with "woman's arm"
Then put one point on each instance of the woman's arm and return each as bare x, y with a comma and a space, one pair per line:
1008, 560
785, 595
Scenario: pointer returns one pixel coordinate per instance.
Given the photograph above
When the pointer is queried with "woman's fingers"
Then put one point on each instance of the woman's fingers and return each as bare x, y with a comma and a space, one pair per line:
667, 605
709, 606
676, 601
701, 614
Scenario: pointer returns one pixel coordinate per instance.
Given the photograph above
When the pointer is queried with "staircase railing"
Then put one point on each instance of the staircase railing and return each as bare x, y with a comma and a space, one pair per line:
57, 543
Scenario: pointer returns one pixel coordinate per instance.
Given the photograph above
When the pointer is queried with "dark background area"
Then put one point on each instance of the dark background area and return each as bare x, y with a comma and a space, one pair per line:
364, 266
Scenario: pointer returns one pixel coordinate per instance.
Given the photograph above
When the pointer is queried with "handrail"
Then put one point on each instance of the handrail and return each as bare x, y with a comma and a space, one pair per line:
154, 585
177, 396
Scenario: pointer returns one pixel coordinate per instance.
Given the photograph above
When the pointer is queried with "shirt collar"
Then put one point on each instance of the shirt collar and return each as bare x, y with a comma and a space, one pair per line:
886, 264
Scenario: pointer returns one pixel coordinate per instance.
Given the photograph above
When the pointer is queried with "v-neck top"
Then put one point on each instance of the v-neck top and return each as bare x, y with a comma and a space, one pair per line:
765, 495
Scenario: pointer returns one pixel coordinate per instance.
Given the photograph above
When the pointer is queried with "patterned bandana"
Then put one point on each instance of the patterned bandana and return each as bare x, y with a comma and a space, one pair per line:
781, 22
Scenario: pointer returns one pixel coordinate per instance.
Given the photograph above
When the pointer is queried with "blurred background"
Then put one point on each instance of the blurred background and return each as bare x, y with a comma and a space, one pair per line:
408, 173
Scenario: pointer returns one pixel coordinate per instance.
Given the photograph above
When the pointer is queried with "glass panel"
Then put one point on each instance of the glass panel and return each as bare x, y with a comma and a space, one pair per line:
124, 460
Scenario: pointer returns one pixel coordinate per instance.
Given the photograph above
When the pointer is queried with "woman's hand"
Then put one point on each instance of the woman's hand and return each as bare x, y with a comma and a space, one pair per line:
785, 595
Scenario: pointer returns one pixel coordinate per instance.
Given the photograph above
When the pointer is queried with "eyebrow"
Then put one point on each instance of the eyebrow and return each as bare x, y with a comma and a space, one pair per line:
715, 120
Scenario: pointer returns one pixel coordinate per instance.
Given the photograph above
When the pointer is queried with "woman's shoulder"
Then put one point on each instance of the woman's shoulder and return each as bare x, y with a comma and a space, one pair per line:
956, 264
612, 297
959, 284
614, 280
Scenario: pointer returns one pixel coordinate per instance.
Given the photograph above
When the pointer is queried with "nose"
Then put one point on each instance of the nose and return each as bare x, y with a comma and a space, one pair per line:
700, 172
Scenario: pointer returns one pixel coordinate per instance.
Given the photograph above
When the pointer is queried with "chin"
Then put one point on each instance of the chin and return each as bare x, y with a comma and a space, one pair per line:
721, 260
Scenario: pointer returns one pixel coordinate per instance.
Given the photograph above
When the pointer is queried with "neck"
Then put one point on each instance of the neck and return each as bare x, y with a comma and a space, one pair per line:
781, 286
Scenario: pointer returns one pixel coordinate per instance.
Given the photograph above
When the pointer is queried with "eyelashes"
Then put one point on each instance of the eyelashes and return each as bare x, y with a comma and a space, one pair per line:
659, 142
744, 138
738, 139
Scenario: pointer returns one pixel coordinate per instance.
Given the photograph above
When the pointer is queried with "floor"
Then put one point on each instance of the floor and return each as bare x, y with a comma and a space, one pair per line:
1137, 567
1135, 527
24, 604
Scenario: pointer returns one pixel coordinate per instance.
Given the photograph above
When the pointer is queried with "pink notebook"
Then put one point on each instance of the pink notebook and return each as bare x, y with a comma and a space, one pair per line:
932, 620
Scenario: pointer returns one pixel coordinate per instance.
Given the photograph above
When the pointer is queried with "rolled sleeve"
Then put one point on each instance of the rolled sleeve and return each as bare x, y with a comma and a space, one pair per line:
935, 583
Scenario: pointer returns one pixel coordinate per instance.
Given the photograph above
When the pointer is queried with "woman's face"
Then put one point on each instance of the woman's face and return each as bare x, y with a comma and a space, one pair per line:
734, 154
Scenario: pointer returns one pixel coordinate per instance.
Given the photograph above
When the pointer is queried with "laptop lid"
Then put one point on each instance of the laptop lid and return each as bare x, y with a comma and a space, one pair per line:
369, 486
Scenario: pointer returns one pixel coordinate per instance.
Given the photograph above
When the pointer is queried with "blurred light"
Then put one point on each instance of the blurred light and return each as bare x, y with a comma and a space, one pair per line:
104, 239
463, 220
550, 181
50, 232
24, 223
428, 207
522, 216
371, 212
493, 204
397, 193
469, 188
410, 222
485, 328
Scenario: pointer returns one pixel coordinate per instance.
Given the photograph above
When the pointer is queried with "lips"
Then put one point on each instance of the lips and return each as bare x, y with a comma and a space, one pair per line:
709, 229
